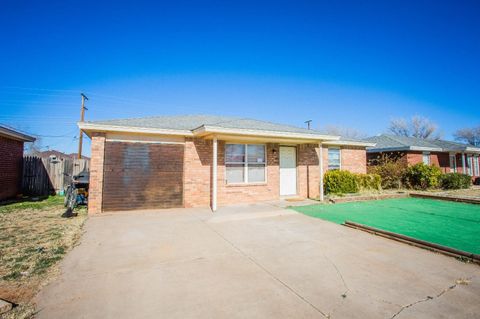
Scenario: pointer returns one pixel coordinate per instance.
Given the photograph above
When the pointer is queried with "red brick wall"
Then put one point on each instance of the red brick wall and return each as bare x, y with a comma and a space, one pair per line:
440, 159
197, 182
197, 174
95, 195
354, 159
308, 173
149, 175
414, 158
198, 177
11, 159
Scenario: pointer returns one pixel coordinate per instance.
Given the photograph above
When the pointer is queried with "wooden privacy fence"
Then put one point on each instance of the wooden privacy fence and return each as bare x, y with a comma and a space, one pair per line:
44, 176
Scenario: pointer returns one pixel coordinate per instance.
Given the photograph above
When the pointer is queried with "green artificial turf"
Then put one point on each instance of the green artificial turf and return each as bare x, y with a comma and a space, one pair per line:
451, 224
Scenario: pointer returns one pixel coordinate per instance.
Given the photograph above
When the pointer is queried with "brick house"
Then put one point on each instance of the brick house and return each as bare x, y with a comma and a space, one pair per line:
202, 161
11, 160
449, 156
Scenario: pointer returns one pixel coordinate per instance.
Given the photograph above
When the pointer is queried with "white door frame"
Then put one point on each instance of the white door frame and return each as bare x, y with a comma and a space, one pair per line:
280, 170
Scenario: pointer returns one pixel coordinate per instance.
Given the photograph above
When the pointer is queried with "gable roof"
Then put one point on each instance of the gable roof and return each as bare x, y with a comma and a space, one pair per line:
386, 142
203, 125
15, 135
193, 122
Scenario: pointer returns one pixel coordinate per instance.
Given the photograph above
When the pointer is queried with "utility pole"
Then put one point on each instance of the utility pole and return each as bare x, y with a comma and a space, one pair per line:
82, 116
308, 123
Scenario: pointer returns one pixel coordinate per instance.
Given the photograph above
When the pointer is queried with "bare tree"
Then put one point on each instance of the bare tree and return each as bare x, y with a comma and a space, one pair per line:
347, 132
468, 135
399, 127
33, 148
417, 126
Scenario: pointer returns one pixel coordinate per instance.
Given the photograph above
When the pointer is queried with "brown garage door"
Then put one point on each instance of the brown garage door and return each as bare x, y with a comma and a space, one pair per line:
142, 176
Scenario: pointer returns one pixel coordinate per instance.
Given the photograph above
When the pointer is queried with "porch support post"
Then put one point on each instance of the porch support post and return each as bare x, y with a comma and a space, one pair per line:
320, 164
463, 164
214, 174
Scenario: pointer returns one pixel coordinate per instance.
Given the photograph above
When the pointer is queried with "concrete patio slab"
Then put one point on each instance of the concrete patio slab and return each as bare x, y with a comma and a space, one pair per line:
259, 261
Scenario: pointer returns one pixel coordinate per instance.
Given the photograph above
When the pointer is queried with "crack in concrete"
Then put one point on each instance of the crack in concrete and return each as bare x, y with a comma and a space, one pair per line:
269, 273
347, 289
344, 295
428, 298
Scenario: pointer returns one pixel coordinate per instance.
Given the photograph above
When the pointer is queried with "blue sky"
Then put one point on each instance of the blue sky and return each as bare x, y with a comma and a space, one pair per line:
355, 64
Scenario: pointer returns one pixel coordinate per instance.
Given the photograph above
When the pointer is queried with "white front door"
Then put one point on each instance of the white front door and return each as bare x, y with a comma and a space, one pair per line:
288, 170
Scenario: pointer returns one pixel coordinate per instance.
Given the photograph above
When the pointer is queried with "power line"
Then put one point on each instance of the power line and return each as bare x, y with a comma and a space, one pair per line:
37, 89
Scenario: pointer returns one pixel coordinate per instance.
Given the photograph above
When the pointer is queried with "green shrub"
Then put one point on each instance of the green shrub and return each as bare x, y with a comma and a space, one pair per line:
421, 176
339, 182
369, 181
390, 169
455, 181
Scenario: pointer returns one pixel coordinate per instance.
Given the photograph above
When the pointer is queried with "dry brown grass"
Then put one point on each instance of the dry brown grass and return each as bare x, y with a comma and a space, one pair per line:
472, 192
33, 239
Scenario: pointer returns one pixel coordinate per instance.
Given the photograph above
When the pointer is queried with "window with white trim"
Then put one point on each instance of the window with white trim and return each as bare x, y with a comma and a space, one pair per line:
469, 165
453, 163
426, 158
334, 161
476, 169
245, 163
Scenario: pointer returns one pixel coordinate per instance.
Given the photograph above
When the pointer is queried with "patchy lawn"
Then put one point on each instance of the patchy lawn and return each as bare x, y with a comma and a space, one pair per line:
33, 238
473, 192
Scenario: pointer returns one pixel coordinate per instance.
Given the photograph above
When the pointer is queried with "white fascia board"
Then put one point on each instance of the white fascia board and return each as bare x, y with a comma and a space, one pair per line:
389, 149
85, 126
202, 130
472, 149
405, 149
349, 143
16, 135
426, 149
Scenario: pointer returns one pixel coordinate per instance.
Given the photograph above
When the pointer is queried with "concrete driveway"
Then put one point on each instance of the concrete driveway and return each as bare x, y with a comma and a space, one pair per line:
256, 261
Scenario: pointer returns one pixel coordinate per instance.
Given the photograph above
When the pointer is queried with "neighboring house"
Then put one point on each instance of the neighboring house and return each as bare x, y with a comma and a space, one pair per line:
201, 161
11, 160
58, 156
449, 156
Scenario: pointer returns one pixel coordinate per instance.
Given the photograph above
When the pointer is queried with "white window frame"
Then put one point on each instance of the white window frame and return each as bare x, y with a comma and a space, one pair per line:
453, 163
245, 163
476, 166
339, 158
429, 162
469, 162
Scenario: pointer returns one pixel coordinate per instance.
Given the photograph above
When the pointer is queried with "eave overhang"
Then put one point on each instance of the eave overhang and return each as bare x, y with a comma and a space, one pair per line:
6, 132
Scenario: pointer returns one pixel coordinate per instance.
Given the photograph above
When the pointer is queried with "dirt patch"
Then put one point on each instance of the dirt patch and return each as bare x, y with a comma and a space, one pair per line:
33, 239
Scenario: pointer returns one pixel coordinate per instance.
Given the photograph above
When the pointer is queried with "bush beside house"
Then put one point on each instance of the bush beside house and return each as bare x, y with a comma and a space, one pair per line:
391, 172
455, 181
369, 181
341, 182
394, 174
422, 176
